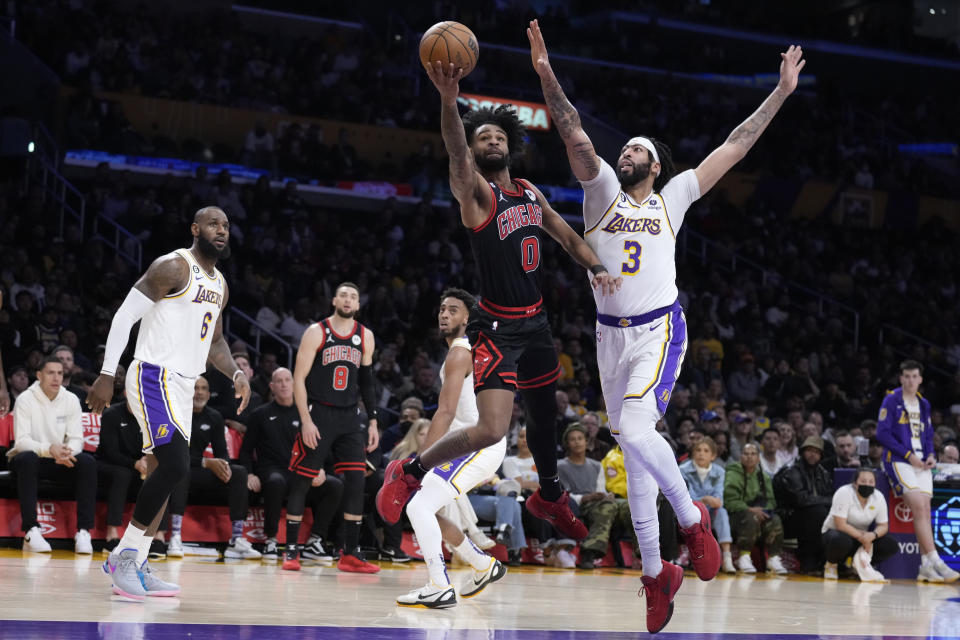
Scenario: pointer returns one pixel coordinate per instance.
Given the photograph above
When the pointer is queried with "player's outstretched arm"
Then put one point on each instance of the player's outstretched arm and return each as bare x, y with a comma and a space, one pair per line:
459, 364
165, 275
311, 341
724, 157
583, 158
577, 247
466, 184
221, 358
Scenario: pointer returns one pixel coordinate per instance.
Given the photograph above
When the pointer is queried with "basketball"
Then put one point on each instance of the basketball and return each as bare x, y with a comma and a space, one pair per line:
450, 42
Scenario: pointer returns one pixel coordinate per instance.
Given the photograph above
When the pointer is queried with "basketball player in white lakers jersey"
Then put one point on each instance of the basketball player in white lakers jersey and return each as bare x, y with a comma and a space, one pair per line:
631, 217
179, 299
457, 409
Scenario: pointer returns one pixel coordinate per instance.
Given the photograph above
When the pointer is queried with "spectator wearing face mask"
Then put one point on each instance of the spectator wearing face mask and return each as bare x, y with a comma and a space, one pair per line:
857, 526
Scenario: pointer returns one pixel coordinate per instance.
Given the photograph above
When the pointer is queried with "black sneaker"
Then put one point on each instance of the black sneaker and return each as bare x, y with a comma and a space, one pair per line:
110, 545
270, 550
503, 534
314, 550
513, 557
394, 554
158, 549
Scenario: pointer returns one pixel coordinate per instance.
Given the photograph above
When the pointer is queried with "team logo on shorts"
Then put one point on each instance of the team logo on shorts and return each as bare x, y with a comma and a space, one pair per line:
162, 431
624, 322
665, 396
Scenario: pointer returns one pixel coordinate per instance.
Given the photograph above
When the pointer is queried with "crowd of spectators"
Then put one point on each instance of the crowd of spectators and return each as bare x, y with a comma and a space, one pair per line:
371, 76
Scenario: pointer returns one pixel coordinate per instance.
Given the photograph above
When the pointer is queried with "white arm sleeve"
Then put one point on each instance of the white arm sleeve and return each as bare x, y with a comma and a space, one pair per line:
133, 308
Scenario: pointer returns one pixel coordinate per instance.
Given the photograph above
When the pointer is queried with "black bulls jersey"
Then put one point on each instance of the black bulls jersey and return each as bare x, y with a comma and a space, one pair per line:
333, 377
507, 250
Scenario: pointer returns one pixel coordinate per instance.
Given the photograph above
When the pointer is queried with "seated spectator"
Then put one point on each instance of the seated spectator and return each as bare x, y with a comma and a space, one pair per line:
504, 511
788, 441
874, 457
19, 382
70, 371
411, 410
741, 434
48, 443
749, 500
215, 475
600, 509
772, 457
723, 451
855, 508
743, 385
949, 454
597, 445
265, 453
846, 450
804, 492
521, 469
705, 481
811, 429
123, 464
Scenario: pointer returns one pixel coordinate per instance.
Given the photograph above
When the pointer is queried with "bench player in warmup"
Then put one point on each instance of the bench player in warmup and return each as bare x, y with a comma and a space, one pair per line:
512, 344
334, 370
457, 409
180, 300
631, 216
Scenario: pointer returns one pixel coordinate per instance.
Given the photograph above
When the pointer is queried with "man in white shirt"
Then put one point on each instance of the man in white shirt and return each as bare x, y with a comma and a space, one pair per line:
48, 443
772, 457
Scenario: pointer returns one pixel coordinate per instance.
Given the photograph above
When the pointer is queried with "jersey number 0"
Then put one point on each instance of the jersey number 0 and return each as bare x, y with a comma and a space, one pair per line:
530, 253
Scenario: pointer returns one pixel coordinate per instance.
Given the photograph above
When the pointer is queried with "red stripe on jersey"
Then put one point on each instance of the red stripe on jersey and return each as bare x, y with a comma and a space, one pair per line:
511, 312
541, 381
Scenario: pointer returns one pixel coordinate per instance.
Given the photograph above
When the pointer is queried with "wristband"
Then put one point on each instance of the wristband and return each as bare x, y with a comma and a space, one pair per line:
597, 269
236, 373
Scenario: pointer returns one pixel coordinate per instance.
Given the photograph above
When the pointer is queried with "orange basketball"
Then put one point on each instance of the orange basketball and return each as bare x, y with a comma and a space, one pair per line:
450, 42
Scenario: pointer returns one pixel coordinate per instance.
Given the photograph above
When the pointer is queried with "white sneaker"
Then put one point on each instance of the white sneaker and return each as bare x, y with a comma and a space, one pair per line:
775, 565
928, 573
728, 563
745, 564
948, 574
430, 596
175, 547
481, 579
481, 539
82, 543
241, 548
33, 541
829, 571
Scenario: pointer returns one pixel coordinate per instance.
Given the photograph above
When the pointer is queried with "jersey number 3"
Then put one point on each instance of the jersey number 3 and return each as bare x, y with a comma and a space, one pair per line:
530, 253
632, 265
341, 375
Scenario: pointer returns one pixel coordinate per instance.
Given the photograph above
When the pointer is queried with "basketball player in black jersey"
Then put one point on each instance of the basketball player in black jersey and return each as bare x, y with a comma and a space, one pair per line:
512, 345
333, 371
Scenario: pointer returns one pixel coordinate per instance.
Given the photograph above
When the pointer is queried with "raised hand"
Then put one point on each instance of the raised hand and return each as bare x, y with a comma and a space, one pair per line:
538, 49
446, 78
790, 65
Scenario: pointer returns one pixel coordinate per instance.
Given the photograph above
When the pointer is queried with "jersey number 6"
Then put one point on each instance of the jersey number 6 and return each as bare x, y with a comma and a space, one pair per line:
207, 317
632, 265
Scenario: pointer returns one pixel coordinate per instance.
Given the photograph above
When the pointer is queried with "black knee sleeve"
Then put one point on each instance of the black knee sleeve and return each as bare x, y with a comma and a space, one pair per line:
541, 406
297, 498
173, 463
353, 492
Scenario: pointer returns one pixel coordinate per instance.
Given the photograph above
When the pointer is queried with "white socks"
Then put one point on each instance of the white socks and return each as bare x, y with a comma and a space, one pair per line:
438, 570
135, 538
469, 551
644, 448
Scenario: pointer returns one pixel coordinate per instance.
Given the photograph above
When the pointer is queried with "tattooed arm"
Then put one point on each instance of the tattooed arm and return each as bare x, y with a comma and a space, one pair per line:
580, 152
742, 138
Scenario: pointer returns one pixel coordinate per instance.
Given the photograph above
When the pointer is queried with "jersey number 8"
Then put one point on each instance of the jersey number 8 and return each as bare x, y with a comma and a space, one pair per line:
341, 375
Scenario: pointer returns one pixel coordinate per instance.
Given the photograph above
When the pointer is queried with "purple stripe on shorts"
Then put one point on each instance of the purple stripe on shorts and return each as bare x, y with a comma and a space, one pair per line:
447, 470
159, 421
674, 358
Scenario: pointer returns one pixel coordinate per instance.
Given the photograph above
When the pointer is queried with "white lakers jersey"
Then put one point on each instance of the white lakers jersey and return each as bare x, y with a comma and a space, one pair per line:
636, 240
467, 414
176, 333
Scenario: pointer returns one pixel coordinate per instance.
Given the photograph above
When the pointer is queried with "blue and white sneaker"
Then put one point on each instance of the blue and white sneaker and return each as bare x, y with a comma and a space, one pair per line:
124, 570
156, 587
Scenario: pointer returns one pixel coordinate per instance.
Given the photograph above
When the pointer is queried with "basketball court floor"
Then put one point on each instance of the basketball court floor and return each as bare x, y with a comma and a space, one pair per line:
62, 596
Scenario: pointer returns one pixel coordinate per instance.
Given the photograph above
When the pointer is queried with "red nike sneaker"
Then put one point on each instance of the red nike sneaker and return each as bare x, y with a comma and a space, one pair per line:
558, 514
395, 492
291, 559
355, 564
704, 548
659, 592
